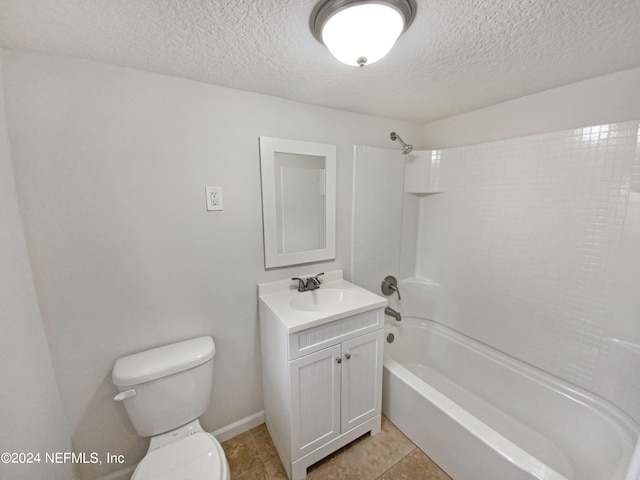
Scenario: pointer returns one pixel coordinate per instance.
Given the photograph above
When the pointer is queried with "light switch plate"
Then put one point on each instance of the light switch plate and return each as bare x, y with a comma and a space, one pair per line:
214, 198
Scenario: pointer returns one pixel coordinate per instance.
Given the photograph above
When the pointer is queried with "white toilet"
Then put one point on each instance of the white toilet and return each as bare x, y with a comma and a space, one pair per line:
165, 390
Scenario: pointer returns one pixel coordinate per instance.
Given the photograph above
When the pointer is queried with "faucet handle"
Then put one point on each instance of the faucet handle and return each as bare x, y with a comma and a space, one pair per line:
390, 286
301, 285
317, 279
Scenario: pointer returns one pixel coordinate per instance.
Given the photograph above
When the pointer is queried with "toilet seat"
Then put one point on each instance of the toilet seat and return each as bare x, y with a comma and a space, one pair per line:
195, 457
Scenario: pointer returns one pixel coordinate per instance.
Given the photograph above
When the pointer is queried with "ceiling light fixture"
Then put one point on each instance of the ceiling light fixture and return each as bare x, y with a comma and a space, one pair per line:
360, 32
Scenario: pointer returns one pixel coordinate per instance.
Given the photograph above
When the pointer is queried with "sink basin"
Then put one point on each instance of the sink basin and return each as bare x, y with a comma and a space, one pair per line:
335, 299
322, 299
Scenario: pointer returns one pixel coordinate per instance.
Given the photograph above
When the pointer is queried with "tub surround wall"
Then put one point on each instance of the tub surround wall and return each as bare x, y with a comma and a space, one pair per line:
377, 224
532, 244
124, 254
385, 220
31, 412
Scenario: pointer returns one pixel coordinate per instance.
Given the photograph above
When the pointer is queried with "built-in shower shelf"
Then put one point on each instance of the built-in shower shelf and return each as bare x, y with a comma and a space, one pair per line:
421, 282
422, 194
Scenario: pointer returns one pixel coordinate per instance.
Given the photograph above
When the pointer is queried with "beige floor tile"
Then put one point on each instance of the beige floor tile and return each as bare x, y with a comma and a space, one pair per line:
264, 444
334, 467
257, 473
414, 466
390, 455
242, 454
275, 470
369, 460
393, 440
372, 456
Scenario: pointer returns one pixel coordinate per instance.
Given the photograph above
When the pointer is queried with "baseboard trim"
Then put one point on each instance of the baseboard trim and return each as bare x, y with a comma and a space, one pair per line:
236, 428
225, 433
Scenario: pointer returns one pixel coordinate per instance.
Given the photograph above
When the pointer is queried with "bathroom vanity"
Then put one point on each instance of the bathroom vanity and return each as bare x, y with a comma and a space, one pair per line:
321, 367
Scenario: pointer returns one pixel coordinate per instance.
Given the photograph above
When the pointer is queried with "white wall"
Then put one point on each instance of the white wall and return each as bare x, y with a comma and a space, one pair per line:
31, 414
111, 165
601, 100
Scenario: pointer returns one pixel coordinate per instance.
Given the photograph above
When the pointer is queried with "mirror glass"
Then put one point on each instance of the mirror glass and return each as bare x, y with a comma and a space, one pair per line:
298, 201
300, 198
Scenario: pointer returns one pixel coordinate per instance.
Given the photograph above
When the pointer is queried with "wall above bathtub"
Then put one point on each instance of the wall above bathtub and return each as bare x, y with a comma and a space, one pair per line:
600, 100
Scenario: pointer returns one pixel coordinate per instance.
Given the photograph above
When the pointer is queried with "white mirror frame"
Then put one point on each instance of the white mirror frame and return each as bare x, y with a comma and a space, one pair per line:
269, 146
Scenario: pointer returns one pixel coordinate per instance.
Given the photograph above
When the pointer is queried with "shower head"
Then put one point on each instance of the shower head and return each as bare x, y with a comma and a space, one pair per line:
406, 147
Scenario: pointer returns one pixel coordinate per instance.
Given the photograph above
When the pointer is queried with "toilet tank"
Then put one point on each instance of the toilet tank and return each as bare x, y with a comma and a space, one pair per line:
166, 387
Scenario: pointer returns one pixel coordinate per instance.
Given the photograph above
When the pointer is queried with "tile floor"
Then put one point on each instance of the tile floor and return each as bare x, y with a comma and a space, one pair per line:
387, 456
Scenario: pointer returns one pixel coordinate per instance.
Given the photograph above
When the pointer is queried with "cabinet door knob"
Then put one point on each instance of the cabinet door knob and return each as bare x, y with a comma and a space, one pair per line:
338, 360
347, 356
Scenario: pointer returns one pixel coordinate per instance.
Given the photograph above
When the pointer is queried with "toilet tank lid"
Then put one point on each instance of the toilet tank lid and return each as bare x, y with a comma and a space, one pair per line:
162, 361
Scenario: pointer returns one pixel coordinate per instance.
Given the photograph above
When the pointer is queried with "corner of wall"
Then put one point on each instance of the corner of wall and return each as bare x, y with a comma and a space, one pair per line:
597, 101
32, 416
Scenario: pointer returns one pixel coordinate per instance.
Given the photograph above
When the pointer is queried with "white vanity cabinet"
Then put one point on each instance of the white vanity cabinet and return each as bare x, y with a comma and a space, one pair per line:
334, 390
322, 384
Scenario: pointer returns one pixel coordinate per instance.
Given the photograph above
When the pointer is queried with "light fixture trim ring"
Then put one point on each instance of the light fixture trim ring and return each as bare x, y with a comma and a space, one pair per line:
323, 11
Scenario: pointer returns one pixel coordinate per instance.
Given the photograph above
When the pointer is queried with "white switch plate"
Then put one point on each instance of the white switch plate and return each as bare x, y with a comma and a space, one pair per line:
214, 198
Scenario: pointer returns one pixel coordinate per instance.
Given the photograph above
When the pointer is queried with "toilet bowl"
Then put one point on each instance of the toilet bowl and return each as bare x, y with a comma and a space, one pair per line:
164, 391
198, 456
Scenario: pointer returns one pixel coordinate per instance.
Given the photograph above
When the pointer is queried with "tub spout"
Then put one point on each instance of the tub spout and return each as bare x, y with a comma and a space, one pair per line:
392, 313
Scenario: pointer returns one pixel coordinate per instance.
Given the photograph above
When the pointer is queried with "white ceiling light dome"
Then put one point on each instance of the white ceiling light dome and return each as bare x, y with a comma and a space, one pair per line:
361, 32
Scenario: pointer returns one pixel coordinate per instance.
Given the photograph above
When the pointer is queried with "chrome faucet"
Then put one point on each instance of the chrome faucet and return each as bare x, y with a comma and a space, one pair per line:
311, 283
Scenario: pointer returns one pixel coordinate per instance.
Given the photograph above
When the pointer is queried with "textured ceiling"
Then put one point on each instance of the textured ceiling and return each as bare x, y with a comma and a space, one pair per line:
457, 56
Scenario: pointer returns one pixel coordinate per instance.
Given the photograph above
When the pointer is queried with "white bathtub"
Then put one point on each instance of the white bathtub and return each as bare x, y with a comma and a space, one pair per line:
482, 415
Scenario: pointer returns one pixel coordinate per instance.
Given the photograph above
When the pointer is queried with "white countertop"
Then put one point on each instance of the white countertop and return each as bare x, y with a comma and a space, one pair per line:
277, 296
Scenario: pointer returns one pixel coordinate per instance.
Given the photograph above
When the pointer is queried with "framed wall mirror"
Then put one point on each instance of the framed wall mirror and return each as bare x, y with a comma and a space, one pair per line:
298, 201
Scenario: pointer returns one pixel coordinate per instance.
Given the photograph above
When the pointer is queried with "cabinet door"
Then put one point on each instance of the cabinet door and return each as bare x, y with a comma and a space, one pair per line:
315, 400
361, 379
